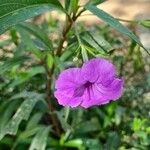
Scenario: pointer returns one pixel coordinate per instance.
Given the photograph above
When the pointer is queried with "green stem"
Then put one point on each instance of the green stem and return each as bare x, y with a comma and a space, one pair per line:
67, 111
83, 50
129, 21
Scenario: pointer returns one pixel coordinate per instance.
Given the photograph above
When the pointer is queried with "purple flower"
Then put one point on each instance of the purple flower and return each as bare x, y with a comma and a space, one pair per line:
94, 83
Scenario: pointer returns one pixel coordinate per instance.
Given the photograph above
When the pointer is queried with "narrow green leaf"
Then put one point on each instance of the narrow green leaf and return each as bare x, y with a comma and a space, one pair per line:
84, 53
27, 75
74, 5
22, 113
14, 11
71, 5
34, 121
113, 23
28, 133
40, 140
28, 43
7, 113
31, 28
145, 23
69, 51
67, 4
76, 143
12, 62
96, 2
97, 42
27, 95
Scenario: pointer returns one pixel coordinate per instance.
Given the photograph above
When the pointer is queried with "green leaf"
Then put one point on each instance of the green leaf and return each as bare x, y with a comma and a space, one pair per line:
145, 23
76, 143
22, 113
67, 4
148, 79
96, 2
34, 121
148, 130
50, 61
97, 42
69, 51
27, 43
7, 112
12, 62
26, 94
113, 141
74, 5
14, 11
40, 140
31, 28
138, 124
25, 76
84, 53
71, 5
93, 144
28, 133
113, 23
14, 36
91, 126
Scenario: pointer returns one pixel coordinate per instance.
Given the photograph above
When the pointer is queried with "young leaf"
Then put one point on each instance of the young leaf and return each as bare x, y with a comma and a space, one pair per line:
14, 11
113, 22
50, 61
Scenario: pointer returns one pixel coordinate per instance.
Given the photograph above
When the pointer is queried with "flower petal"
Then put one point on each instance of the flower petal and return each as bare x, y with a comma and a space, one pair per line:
66, 87
65, 98
98, 70
112, 91
69, 78
92, 97
97, 94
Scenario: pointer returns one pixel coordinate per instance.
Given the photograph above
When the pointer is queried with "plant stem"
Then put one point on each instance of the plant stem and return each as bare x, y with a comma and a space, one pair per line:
66, 28
68, 24
49, 101
129, 21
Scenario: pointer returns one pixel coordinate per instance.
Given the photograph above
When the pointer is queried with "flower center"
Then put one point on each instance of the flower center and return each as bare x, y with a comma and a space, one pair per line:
87, 84
80, 90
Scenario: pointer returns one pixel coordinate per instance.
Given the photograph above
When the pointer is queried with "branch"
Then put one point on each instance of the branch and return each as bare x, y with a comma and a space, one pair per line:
68, 24
54, 120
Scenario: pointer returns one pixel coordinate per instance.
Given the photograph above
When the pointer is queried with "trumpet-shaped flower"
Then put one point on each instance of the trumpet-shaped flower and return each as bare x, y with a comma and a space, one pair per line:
95, 83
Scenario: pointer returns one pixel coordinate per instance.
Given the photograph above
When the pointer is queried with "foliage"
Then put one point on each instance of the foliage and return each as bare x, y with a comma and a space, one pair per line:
32, 57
